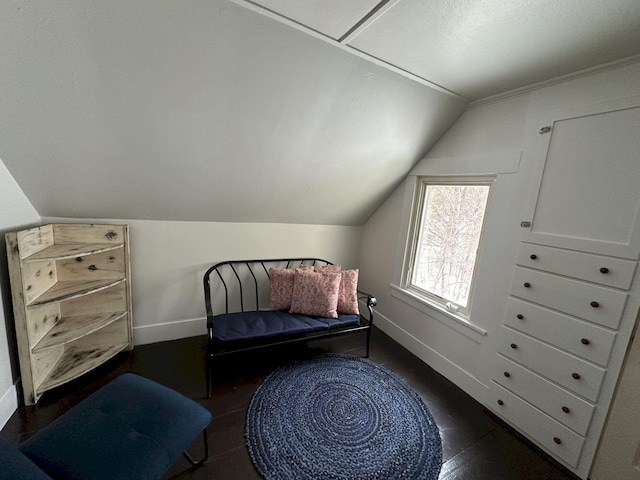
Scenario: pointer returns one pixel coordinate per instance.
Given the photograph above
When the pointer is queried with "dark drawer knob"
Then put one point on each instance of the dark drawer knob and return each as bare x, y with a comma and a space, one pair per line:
500, 402
514, 346
575, 376
565, 409
585, 341
507, 374
604, 270
557, 440
533, 256
520, 316
595, 304
527, 284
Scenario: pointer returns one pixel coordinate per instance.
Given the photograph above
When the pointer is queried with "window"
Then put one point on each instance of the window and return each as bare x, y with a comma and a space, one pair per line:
445, 236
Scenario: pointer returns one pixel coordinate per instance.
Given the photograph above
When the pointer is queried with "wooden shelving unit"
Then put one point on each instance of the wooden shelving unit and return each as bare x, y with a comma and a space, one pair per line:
71, 299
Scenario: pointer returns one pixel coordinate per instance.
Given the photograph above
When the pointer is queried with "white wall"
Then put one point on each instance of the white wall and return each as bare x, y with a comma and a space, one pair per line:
16, 212
472, 145
168, 260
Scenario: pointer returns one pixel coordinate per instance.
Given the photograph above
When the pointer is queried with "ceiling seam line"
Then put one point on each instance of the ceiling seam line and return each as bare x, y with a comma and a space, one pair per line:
370, 18
247, 4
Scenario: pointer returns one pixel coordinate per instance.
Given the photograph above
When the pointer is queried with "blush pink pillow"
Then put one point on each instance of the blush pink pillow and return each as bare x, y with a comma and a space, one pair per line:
281, 287
316, 294
327, 269
348, 292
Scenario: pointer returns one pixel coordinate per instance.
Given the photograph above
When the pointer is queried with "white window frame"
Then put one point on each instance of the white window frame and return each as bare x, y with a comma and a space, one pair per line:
414, 236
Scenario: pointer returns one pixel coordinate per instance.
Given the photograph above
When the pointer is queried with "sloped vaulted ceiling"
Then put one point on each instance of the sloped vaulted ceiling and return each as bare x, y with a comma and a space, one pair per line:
296, 111
201, 110
475, 48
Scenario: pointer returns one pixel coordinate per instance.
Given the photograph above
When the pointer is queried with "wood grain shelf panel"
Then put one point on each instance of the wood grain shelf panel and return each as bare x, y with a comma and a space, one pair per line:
76, 361
67, 290
61, 252
68, 329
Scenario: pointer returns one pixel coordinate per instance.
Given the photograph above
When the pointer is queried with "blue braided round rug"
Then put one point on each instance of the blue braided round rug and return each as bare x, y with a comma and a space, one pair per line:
341, 417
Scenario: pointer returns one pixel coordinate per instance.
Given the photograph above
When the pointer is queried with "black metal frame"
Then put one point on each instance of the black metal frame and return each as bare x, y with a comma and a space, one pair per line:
197, 463
228, 271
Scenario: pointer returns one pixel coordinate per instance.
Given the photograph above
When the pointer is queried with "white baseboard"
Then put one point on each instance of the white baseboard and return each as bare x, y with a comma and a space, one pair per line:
8, 405
435, 360
162, 332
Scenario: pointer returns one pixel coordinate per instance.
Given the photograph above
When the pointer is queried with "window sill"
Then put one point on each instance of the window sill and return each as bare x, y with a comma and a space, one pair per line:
439, 313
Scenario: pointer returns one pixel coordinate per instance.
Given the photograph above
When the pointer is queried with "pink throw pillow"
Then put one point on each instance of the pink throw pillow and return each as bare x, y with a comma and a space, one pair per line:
327, 268
281, 287
316, 294
348, 292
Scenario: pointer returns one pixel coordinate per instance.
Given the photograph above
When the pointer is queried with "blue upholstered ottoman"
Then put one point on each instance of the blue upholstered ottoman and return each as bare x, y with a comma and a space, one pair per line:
16, 466
132, 428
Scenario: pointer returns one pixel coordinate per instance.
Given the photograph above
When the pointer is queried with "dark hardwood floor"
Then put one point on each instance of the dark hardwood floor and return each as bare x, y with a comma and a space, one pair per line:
476, 446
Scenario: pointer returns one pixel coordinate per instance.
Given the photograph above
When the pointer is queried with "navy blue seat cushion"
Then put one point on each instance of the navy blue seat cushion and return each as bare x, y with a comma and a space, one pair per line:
132, 428
271, 323
14, 465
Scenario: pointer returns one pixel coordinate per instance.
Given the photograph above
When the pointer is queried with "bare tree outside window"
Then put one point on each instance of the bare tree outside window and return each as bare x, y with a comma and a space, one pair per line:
448, 239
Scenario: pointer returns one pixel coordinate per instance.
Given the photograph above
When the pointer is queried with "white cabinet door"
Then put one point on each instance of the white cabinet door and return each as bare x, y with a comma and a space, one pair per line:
587, 194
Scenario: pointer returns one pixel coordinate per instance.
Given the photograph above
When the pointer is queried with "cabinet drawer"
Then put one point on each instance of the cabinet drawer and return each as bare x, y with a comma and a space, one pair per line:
554, 437
577, 375
613, 272
556, 402
598, 304
578, 337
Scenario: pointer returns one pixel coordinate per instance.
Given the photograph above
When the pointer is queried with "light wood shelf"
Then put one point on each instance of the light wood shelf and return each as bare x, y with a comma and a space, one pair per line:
68, 329
75, 361
73, 289
71, 292
61, 252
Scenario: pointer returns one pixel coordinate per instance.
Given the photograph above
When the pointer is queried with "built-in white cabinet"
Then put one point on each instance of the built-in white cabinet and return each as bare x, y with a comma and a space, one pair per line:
575, 295
71, 301
586, 194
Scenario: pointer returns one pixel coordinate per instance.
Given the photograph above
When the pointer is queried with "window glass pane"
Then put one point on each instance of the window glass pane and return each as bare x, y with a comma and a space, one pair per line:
448, 240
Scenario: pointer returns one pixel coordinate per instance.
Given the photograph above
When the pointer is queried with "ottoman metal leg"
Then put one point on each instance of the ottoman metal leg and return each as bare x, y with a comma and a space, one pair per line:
206, 452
